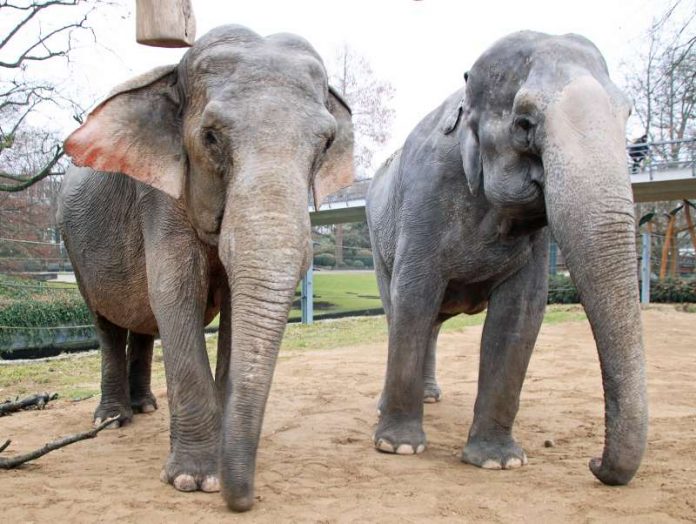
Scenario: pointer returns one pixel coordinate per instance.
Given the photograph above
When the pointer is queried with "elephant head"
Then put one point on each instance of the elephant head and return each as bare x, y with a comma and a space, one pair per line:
542, 138
239, 132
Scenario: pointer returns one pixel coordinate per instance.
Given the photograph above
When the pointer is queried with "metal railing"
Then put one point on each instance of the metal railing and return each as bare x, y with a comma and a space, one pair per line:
654, 157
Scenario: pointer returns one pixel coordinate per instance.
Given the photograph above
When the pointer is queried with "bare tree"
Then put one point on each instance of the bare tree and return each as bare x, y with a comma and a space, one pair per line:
31, 34
663, 84
661, 80
370, 98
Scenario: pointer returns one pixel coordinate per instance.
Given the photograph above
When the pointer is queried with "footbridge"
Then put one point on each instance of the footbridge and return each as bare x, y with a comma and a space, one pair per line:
658, 171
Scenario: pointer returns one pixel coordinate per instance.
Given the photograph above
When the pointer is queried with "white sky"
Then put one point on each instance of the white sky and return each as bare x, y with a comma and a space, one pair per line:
422, 48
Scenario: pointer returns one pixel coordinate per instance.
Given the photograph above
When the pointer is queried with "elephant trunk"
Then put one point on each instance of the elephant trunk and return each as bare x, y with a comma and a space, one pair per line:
590, 212
264, 246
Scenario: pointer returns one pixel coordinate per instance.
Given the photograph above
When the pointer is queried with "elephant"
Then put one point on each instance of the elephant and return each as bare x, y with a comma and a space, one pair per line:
190, 196
460, 219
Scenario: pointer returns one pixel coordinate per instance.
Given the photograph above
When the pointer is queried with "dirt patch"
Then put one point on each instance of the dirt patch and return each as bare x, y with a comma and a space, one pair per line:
316, 461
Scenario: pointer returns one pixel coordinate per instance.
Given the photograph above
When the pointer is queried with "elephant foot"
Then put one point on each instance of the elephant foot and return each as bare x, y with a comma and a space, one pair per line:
494, 453
400, 435
187, 472
112, 409
432, 393
146, 403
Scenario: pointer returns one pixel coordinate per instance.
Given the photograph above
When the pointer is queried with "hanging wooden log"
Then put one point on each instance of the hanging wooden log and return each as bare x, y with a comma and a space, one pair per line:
165, 23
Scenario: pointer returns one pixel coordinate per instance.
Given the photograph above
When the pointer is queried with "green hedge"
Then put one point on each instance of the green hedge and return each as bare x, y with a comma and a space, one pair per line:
325, 260
562, 290
673, 290
59, 308
39, 316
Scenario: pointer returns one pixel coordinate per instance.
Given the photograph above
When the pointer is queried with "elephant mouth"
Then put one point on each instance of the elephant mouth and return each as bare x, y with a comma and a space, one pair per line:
210, 238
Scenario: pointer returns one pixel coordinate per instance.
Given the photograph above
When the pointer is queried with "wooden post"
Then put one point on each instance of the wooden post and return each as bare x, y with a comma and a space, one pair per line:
690, 223
165, 23
666, 246
674, 261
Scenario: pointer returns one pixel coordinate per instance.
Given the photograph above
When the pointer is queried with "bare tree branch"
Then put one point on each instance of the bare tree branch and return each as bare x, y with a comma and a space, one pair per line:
43, 173
13, 462
25, 56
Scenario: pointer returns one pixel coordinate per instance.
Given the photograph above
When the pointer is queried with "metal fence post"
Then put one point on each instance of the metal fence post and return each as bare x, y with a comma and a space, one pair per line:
553, 257
307, 298
645, 270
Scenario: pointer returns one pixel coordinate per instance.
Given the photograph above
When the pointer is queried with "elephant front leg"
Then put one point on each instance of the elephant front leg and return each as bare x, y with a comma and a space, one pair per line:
140, 372
178, 291
515, 313
412, 318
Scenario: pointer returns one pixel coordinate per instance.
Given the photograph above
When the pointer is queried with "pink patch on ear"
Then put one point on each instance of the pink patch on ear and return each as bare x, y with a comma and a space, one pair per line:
97, 144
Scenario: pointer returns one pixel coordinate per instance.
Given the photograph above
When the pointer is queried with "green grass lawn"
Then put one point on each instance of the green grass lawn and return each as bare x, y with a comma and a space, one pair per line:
342, 291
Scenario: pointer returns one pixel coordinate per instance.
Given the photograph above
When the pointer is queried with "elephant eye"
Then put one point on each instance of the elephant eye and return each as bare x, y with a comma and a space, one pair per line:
523, 123
329, 143
210, 138
522, 132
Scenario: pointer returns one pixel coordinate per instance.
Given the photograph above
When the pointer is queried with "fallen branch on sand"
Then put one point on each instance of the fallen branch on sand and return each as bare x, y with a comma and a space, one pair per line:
37, 401
13, 462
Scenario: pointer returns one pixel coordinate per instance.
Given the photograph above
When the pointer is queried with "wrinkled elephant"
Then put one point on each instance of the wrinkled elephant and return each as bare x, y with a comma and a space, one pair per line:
221, 152
460, 219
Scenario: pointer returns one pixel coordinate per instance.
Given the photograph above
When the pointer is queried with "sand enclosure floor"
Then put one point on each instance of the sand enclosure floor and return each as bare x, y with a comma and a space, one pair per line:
316, 462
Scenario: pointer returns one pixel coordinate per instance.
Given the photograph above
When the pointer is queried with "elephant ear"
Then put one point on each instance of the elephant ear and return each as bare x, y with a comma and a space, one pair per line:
336, 171
471, 158
136, 131
471, 152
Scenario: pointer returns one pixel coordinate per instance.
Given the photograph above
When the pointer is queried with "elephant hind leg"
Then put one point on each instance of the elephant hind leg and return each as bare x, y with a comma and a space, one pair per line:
432, 392
139, 372
115, 397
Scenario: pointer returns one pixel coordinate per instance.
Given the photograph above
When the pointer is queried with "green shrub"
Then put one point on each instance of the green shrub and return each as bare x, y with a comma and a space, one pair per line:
673, 290
59, 308
325, 259
358, 264
562, 290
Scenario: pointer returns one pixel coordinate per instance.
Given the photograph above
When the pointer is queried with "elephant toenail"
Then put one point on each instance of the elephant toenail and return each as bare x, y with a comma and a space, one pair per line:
385, 445
185, 483
491, 464
404, 449
513, 463
210, 484
420, 448
147, 408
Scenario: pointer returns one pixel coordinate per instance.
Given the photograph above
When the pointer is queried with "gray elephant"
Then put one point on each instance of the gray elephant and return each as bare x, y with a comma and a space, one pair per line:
460, 219
221, 152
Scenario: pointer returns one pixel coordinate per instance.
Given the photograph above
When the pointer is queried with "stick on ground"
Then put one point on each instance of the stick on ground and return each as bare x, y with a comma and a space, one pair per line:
38, 401
13, 462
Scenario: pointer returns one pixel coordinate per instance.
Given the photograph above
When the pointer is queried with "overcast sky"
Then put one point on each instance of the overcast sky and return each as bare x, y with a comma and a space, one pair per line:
422, 48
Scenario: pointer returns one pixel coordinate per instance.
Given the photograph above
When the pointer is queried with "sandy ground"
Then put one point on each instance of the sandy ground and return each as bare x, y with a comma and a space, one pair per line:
316, 461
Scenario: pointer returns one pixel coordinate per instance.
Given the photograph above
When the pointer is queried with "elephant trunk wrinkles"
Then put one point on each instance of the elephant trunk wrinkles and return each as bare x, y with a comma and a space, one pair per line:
590, 213
264, 246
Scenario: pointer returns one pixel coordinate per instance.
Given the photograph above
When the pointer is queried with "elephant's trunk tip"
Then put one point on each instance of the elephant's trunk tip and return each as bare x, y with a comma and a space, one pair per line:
611, 476
239, 500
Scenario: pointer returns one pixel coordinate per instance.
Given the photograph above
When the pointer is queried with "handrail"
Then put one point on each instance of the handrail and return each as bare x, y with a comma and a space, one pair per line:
649, 157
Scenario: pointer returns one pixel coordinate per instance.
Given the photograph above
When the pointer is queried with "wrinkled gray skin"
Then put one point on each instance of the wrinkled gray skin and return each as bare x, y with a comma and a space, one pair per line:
459, 218
234, 138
